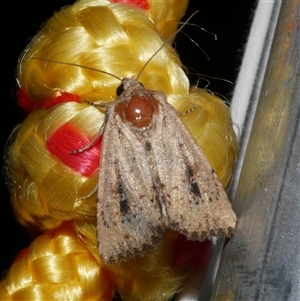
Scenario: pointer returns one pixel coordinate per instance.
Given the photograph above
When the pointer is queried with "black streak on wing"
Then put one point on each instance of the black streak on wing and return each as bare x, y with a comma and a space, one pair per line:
148, 146
194, 186
124, 206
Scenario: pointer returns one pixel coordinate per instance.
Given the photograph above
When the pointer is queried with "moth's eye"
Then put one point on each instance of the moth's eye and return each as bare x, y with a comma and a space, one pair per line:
120, 90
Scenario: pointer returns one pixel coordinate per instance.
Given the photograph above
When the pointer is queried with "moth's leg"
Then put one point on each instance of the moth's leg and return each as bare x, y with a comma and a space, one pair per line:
187, 112
92, 142
183, 113
97, 105
88, 195
88, 146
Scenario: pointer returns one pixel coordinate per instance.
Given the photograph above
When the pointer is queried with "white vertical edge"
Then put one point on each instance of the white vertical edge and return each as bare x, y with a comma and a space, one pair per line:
243, 108
251, 75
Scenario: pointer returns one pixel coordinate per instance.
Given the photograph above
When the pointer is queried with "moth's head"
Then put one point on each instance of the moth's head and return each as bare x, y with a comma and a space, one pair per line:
129, 83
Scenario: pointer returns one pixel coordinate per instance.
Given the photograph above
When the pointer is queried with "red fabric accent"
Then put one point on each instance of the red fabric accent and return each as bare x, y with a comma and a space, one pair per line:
22, 253
28, 106
67, 139
24, 102
197, 252
143, 4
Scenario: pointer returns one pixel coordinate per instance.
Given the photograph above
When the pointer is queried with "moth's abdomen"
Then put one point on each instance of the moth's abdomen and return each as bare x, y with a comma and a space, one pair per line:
138, 111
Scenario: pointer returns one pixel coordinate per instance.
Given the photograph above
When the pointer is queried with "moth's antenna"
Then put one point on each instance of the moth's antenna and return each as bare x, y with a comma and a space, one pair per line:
76, 65
166, 41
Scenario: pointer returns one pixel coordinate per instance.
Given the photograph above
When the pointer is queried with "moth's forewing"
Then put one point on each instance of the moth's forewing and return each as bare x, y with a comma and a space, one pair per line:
128, 210
195, 201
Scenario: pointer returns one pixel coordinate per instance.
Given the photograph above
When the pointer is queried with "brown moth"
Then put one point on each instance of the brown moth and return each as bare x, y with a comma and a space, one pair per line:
153, 175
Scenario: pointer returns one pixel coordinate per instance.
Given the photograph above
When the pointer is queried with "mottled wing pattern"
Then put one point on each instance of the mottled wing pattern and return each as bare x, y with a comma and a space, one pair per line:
195, 201
154, 178
128, 210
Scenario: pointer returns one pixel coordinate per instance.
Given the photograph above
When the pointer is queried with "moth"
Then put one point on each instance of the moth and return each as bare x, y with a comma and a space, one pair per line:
153, 175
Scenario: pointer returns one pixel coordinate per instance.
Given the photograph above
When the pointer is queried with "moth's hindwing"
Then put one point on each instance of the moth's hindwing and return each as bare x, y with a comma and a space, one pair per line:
128, 209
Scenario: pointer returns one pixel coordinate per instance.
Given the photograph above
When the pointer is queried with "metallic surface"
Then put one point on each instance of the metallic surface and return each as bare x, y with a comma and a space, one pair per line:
262, 261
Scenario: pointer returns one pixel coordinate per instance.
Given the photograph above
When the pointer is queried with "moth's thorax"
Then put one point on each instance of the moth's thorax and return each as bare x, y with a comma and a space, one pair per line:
136, 105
